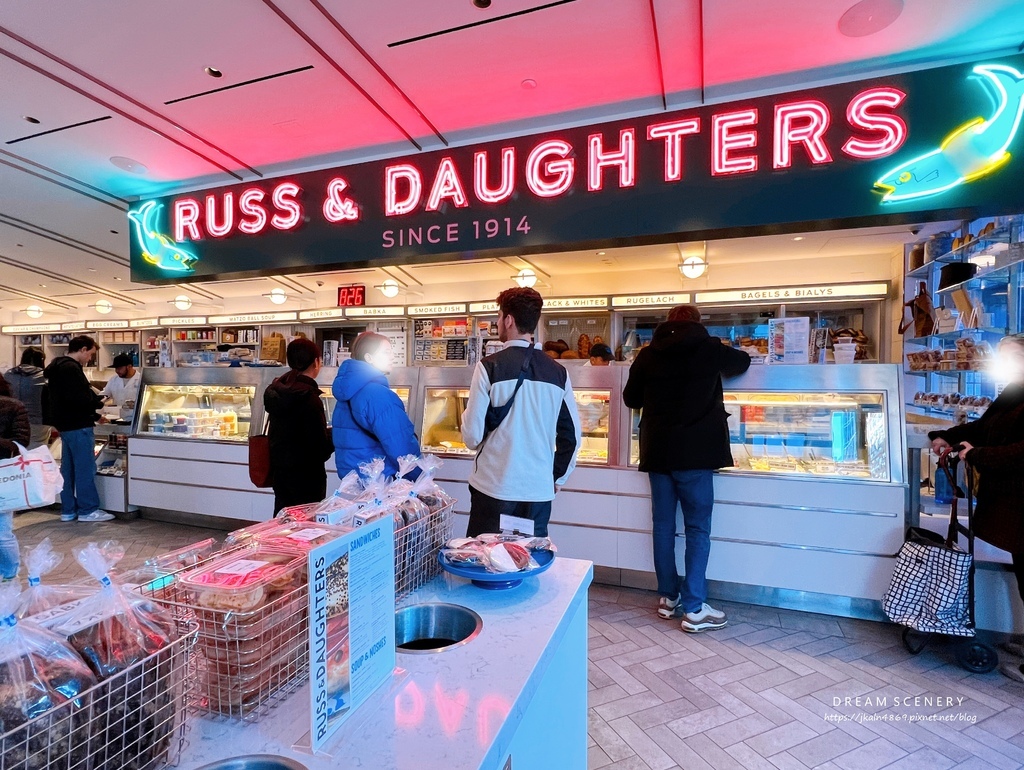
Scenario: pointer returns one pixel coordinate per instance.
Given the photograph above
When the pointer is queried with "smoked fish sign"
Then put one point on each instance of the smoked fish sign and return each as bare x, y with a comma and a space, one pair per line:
931, 144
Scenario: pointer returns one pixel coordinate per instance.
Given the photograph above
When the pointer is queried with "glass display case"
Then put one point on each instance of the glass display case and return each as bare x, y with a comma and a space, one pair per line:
330, 402
594, 407
441, 431
206, 412
822, 422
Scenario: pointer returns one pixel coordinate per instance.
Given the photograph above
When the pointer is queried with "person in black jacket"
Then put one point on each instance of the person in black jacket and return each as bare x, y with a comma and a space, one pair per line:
993, 446
684, 438
74, 409
300, 442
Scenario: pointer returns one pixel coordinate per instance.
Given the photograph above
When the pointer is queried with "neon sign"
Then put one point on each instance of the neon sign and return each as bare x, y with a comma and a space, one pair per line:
970, 152
762, 163
158, 249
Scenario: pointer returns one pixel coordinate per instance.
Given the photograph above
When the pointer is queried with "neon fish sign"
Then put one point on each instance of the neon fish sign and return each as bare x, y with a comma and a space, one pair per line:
972, 151
159, 249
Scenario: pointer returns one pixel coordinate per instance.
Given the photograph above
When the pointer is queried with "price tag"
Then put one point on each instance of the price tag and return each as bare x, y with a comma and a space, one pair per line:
516, 524
308, 535
242, 567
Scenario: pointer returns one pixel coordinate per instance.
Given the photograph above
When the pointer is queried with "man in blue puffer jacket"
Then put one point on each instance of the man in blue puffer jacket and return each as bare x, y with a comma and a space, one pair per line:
369, 419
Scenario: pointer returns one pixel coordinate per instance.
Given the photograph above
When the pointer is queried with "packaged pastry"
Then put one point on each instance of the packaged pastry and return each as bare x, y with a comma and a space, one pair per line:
304, 535
42, 681
39, 597
246, 578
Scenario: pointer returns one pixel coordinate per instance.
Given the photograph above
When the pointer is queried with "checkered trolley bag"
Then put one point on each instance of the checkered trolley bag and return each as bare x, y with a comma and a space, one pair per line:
932, 586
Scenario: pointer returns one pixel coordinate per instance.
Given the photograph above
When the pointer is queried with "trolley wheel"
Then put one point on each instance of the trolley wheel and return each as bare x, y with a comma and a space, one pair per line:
976, 657
908, 641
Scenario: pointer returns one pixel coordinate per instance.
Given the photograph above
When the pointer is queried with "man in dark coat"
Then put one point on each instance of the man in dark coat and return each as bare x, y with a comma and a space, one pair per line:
73, 411
300, 443
993, 446
684, 438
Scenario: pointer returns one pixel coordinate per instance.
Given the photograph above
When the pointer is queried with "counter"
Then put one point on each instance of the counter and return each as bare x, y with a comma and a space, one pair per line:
809, 519
513, 697
189, 447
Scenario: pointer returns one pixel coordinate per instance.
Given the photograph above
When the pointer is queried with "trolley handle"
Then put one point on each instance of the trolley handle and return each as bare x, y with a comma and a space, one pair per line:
948, 461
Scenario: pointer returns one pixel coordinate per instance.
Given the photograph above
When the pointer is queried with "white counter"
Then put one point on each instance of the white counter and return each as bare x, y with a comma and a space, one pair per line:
519, 691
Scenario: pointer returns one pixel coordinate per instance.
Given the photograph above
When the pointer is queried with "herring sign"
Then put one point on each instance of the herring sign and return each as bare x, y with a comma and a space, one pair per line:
931, 144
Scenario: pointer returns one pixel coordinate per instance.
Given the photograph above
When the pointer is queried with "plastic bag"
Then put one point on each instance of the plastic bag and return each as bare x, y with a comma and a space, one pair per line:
373, 472
493, 553
39, 597
428, 491
116, 627
40, 674
113, 630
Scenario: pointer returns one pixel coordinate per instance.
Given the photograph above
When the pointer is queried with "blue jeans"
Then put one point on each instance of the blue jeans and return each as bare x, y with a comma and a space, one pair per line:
8, 547
78, 467
694, 491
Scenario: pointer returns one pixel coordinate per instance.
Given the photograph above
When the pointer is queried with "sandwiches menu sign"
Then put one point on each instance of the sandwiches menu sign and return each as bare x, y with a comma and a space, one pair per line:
930, 144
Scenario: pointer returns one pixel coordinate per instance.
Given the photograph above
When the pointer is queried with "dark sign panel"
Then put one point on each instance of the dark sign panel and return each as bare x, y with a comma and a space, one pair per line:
922, 145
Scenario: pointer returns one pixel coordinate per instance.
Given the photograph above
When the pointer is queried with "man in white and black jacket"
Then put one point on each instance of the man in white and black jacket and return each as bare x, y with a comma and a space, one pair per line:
523, 462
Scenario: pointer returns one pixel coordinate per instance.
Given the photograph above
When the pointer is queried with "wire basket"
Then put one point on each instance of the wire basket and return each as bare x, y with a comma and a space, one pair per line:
135, 720
416, 548
246, 661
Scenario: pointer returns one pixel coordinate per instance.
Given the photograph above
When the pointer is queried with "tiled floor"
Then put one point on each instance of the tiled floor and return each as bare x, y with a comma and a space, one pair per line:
769, 691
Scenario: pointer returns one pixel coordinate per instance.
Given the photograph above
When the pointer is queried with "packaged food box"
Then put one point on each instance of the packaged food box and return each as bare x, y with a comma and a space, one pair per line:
306, 535
246, 579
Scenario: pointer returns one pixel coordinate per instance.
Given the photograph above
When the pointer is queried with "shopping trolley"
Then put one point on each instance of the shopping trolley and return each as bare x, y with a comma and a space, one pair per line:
932, 587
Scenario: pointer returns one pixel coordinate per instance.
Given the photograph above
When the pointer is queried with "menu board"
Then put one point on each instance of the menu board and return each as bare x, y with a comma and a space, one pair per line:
789, 340
351, 624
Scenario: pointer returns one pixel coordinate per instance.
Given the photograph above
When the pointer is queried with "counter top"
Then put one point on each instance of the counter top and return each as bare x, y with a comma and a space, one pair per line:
456, 709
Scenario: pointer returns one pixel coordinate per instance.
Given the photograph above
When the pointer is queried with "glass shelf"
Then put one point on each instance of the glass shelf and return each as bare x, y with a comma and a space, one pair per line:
963, 253
950, 411
953, 336
985, 279
944, 372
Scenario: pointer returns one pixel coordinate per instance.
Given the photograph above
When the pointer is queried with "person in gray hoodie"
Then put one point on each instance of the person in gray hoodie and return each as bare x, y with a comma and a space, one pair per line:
28, 385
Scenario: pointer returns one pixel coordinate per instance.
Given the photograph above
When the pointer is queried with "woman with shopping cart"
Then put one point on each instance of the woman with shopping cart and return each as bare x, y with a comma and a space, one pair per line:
993, 445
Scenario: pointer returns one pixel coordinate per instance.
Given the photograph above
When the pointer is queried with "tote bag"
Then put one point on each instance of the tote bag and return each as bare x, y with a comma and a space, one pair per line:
259, 462
30, 480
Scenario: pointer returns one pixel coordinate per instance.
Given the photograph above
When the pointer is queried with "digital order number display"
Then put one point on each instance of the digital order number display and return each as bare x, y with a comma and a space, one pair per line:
352, 296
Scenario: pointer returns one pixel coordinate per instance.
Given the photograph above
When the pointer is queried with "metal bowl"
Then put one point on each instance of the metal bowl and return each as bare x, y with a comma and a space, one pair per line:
255, 762
421, 629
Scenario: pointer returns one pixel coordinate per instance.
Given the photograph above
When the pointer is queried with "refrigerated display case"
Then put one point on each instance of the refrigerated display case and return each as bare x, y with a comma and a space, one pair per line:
197, 412
446, 394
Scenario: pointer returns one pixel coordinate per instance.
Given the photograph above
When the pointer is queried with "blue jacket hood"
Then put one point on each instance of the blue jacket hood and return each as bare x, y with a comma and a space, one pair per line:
353, 377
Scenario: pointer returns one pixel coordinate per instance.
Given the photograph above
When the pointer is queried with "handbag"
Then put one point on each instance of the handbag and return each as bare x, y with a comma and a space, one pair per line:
929, 590
259, 462
922, 313
30, 480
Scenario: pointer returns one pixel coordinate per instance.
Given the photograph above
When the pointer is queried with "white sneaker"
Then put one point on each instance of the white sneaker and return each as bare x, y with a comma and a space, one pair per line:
706, 619
668, 608
97, 516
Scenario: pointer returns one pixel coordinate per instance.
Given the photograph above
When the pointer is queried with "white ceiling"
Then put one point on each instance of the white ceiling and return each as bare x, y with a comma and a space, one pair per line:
372, 79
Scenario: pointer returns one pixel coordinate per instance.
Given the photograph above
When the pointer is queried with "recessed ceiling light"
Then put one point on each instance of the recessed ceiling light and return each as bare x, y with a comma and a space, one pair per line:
482, 3
114, 232
529, 84
601, 253
129, 165
42, 286
869, 16
798, 237
213, 72
20, 245
30, 119
116, 278
92, 269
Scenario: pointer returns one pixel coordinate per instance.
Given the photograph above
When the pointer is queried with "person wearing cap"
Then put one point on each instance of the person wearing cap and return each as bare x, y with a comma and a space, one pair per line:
600, 355
123, 389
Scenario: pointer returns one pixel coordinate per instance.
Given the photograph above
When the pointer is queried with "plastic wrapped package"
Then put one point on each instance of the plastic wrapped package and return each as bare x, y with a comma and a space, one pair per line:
428, 491
155, 577
247, 578
39, 597
113, 630
42, 682
373, 472
495, 553
304, 535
